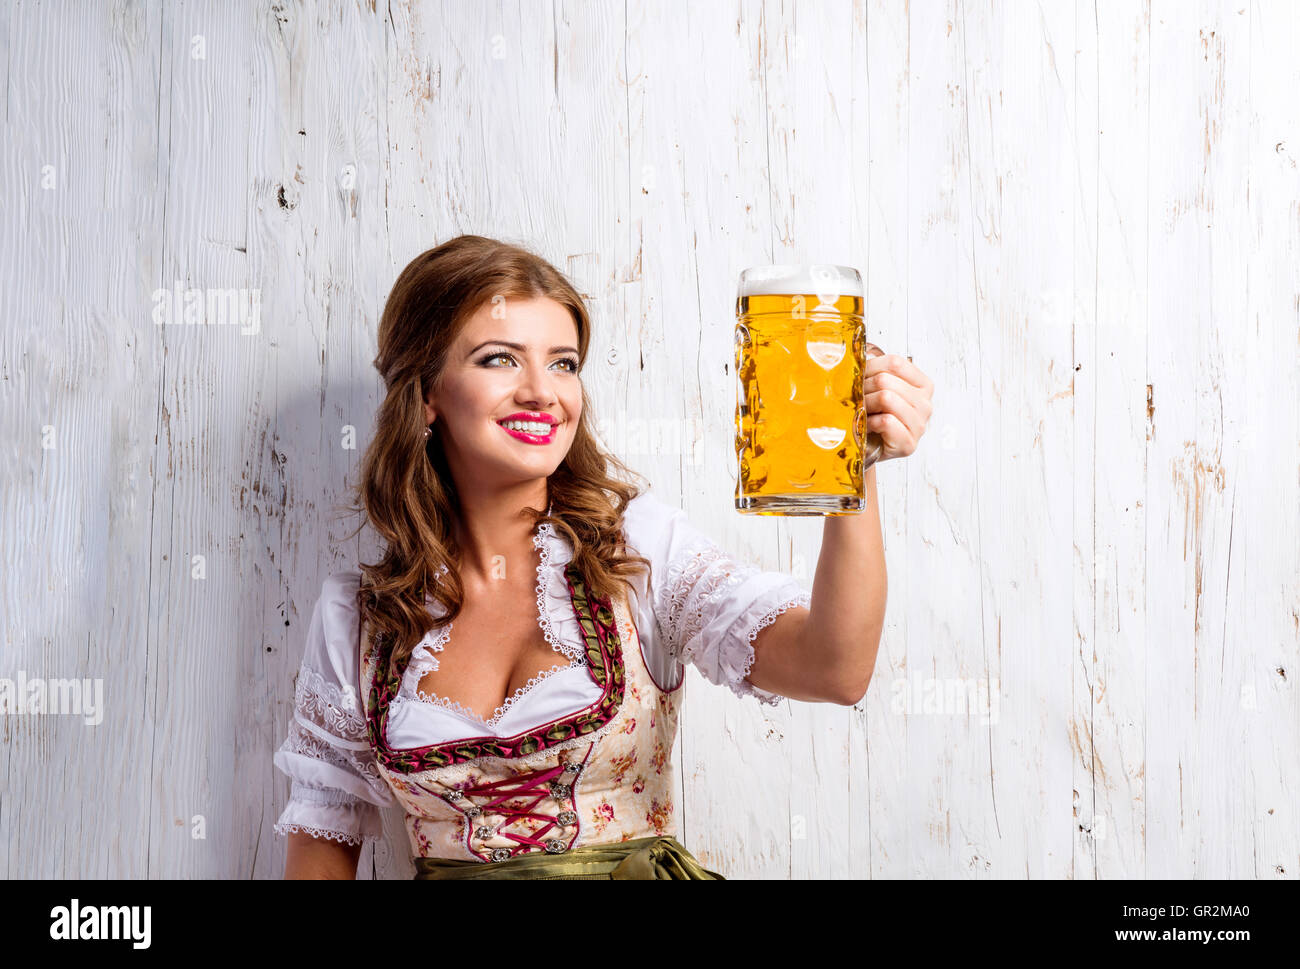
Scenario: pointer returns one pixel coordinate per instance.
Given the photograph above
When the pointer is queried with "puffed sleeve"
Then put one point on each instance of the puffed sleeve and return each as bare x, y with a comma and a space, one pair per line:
707, 606
337, 791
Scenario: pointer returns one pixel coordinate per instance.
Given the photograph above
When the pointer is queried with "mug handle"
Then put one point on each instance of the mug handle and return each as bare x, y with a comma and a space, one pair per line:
874, 445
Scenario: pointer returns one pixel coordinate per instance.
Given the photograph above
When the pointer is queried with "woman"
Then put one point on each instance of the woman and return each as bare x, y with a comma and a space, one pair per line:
511, 675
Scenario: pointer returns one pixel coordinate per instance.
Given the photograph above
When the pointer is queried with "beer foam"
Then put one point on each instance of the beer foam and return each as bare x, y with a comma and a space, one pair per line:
822, 279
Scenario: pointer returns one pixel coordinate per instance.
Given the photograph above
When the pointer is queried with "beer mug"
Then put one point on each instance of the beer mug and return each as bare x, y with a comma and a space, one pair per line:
802, 443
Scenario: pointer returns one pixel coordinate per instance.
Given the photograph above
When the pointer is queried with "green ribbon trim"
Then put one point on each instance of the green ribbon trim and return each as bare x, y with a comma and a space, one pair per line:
653, 858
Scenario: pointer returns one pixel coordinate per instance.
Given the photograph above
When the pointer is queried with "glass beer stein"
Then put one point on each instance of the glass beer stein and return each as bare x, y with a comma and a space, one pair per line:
801, 439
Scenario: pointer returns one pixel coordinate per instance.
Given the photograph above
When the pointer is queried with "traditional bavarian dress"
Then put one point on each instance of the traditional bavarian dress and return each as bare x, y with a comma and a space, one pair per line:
574, 778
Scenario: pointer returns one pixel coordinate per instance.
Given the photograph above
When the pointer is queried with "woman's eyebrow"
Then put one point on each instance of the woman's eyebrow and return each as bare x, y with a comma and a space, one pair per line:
519, 346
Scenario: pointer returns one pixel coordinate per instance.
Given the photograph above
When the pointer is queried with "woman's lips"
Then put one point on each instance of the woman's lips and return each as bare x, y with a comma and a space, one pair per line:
530, 438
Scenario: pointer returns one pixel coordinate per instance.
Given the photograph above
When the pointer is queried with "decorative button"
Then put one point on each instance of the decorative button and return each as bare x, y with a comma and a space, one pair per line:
500, 854
473, 812
554, 846
453, 795
574, 768
560, 791
566, 818
484, 833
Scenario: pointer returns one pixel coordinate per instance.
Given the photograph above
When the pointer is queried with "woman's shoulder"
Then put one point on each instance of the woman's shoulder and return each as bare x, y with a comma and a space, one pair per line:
646, 516
341, 586
336, 615
338, 597
661, 529
330, 655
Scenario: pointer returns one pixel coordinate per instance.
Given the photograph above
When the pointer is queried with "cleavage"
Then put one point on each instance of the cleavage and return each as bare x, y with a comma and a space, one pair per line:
491, 652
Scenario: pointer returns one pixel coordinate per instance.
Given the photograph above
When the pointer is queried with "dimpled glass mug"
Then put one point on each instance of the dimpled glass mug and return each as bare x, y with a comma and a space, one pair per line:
801, 440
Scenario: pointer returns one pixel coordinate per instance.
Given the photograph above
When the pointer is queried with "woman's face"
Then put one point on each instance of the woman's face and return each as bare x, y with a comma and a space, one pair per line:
487, 381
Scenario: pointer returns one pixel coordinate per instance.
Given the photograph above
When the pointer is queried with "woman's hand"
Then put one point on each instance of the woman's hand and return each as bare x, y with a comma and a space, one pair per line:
898, 402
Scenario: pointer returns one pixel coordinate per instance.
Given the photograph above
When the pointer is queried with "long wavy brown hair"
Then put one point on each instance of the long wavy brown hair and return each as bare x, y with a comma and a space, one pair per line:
406, 492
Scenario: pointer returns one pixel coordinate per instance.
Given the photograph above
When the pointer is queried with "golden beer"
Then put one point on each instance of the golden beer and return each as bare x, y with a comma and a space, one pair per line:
801, 440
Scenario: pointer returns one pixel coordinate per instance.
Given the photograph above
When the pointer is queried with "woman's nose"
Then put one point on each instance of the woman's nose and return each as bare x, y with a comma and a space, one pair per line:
536, 388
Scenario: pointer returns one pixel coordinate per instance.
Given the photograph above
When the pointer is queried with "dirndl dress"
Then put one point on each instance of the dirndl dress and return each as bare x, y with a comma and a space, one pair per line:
560, 800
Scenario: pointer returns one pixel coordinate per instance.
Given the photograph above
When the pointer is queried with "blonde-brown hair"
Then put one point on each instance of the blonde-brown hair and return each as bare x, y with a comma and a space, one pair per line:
406, 491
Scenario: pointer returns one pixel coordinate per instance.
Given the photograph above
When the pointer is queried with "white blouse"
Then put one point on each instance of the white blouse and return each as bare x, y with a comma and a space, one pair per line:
702, 607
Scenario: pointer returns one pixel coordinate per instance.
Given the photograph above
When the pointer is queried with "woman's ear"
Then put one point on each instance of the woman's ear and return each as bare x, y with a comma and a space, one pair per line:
429, 412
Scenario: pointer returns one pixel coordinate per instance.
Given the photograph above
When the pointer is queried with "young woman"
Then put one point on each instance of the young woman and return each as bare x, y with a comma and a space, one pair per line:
510, 670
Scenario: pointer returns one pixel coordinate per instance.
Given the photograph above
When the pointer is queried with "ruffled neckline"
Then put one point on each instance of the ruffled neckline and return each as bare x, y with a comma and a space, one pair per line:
555, 616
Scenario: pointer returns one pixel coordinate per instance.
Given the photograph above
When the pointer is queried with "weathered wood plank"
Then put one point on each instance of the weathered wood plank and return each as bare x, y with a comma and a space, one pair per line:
1082, 220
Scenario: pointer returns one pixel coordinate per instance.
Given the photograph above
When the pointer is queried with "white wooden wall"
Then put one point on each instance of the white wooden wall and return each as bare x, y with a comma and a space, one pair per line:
1081, 219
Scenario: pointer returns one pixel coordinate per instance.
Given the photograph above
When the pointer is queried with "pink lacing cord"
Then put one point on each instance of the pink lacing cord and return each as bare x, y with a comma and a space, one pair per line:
522, 785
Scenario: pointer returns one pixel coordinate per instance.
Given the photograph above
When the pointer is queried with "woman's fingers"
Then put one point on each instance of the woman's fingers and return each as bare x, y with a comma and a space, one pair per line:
898, 402
901, 367
895, 419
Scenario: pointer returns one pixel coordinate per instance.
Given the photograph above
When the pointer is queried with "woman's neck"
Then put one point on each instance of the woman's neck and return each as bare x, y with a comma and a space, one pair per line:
495, 541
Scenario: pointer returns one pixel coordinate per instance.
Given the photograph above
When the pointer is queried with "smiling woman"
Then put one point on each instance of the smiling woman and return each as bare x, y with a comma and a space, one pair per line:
499, 512
533, 394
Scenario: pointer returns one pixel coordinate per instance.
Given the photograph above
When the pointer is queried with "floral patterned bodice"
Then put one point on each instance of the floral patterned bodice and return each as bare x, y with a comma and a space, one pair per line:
599, 775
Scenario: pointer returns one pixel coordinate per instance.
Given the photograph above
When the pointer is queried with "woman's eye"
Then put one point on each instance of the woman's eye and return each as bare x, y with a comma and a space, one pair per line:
573, 364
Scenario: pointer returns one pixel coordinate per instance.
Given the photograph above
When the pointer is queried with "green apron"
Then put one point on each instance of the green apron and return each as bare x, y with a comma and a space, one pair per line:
640, 858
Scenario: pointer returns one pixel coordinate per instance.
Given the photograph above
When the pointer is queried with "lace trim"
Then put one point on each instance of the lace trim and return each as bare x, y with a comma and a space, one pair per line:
331, 706
301, 741
546, 572
801, 598
340, 836
423, 661
694, 583
500, 711
422, 658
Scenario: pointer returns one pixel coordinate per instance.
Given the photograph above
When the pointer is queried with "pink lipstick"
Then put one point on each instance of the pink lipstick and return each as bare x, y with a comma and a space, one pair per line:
526, 436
